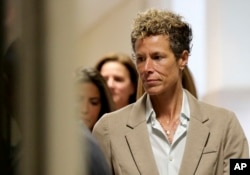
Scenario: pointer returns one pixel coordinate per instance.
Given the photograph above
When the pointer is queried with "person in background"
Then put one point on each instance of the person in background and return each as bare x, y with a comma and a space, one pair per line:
10, 128
94, 96
119, 71
187, 83
96, 163
168, 131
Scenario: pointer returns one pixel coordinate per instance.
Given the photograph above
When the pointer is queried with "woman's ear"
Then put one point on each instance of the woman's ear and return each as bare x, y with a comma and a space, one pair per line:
183, 60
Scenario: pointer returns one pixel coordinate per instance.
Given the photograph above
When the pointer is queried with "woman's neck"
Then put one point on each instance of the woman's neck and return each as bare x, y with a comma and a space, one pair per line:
168, 106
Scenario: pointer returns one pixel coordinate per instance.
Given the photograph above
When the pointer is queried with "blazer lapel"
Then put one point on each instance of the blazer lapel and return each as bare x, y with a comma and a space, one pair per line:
138, 140
196, 140
197, 137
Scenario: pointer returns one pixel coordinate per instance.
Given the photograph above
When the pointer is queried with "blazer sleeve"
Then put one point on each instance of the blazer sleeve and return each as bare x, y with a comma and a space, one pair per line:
235, 142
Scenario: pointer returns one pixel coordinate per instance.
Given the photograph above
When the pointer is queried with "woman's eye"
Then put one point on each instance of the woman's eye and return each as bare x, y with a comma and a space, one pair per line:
119, 79
157, 57
94, 101
139, 59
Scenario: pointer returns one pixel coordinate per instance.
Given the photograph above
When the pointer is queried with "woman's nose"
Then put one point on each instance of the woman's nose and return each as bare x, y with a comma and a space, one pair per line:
148, 66
110, 82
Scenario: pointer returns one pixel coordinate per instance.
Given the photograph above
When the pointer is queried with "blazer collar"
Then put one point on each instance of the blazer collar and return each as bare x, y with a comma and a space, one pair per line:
139, 110
137, 114
195, 108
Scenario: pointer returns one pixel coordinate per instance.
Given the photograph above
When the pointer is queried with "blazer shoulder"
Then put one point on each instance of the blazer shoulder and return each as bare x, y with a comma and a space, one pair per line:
115, 118
204, 110
213, 108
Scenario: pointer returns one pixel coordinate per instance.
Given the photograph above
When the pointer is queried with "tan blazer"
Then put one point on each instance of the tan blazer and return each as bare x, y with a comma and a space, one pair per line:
213, 137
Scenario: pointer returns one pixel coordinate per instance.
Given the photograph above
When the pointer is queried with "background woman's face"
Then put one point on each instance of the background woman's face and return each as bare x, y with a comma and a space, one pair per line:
90, 103
119, 82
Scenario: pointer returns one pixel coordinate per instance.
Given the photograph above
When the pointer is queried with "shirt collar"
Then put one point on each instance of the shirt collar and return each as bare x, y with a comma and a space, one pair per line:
185, 110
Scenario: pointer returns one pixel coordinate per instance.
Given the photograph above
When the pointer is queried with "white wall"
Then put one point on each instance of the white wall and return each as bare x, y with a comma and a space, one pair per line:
233, 26
110, 33
227, 40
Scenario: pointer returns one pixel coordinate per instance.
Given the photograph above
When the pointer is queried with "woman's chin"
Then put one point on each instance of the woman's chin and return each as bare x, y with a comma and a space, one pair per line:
153, 91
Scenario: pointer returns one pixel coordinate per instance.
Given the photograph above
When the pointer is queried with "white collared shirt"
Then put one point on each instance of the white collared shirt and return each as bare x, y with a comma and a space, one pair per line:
168, 157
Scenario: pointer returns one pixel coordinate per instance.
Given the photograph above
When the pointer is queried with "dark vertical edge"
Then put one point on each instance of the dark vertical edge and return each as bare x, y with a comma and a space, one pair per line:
41, 86
4, 117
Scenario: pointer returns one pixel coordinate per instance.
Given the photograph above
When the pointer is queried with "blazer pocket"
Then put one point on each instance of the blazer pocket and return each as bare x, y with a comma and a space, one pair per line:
208, 161
208, 150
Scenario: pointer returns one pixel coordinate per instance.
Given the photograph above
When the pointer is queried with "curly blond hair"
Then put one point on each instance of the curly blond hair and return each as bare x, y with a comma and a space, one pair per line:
160, 22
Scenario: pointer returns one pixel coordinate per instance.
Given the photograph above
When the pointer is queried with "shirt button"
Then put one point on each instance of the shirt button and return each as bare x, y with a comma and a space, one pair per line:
153, 123
170, 158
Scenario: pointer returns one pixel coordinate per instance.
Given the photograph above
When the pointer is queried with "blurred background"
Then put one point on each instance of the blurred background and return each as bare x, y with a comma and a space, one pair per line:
44, 42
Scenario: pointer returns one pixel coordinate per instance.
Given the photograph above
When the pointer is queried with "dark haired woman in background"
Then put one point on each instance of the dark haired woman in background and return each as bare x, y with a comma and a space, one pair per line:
94, 96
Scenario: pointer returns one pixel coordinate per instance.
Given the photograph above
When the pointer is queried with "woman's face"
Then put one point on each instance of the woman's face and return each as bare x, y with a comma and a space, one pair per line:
119, 82
90, 103
157, 65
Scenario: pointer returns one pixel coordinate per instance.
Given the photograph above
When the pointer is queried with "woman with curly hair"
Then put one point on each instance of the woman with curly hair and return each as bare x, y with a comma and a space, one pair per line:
168, 131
